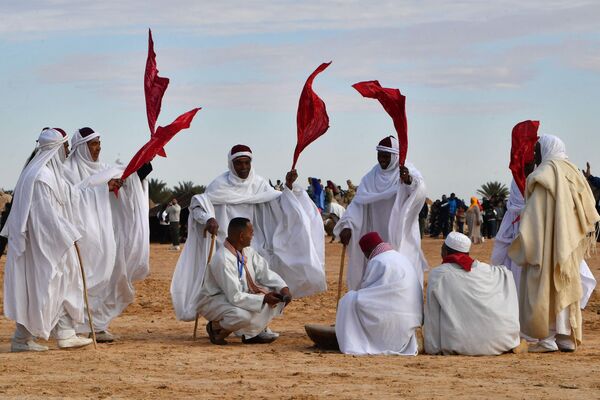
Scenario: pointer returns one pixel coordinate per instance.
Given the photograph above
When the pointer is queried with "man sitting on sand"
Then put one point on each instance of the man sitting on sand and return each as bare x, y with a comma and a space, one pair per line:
383, 315
240, 293
472, 307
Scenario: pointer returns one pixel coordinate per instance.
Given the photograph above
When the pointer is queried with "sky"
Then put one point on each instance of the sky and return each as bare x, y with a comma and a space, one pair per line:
470, 71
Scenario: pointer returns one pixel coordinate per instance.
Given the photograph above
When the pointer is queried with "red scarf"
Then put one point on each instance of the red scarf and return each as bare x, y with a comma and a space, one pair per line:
461, 259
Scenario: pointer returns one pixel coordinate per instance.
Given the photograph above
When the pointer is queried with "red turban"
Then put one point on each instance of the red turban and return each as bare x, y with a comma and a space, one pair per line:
369, 241
387, 142
239, 148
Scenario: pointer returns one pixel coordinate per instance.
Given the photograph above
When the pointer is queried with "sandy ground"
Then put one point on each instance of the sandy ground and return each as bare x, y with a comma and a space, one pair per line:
156, 357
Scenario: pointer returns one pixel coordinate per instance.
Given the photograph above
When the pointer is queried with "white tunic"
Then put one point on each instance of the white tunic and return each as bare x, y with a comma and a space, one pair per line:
115, 243
225, 295
383, 315
471, 313
44, 278
288, 233
392, 212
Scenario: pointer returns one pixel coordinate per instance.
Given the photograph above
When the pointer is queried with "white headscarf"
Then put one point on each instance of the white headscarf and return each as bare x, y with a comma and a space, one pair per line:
379, 183
229, 188
552, 148
80, 166
49, 152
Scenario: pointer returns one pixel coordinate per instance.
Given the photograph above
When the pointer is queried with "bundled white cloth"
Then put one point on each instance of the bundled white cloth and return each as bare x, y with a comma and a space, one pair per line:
385, 205
42, 280
508, 231
225, 296
471, 313
115, 243
383, 315
288, 233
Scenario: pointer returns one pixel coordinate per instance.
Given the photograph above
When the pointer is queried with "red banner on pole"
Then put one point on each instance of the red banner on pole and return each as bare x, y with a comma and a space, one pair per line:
154, 88
394, 103
156, 143
312, 119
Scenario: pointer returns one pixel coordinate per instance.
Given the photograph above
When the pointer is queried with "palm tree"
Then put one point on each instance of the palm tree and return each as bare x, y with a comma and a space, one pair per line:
158, 191
494, 189
187, 189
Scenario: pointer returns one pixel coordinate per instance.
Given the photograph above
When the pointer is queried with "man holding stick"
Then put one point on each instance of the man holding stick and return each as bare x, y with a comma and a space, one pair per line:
43, 290
288, 231
388, 201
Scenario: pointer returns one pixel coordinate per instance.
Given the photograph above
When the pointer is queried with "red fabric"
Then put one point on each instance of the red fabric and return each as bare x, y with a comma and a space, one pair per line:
62, 132
154, 89
524, 138
394, 103
369, 241
312, 119
461, 259
158, 141
240, 148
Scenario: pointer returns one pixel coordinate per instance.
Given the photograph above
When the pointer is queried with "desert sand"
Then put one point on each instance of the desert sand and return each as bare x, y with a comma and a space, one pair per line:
156, 357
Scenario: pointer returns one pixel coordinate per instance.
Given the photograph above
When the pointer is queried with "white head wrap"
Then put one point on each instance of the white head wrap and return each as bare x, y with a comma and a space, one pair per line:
229, 188
80, 164
379, 183
552, 148
459, 242
49, 152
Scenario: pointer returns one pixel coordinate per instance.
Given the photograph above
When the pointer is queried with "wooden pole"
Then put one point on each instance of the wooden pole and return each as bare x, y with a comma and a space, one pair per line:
210, 254
340, 278
85, 297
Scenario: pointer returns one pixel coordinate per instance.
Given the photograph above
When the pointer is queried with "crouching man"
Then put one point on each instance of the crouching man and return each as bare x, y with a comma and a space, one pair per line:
240, 293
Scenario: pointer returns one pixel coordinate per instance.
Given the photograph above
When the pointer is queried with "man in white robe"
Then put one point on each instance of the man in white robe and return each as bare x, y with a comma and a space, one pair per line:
472, 307
556, 232
288, 231
383, 315
388, 201
508, 231
115, 242
240, 293
43, 289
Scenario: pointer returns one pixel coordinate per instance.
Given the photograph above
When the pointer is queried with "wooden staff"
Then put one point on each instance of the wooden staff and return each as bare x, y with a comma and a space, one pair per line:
210, 254
340, 279
85, 297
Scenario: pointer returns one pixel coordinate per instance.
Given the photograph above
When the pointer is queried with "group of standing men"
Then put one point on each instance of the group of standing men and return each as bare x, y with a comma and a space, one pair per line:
64, 222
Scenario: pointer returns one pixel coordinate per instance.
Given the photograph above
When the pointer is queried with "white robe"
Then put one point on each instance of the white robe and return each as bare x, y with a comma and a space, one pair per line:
392, 212
115, 243
383, 315
471, 313
508, 231
225, 296
288, 233
43, 278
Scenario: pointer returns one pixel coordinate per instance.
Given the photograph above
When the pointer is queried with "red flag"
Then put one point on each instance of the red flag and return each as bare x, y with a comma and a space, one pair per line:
312, 119
524, 138
158, 141
394, 104
154, 88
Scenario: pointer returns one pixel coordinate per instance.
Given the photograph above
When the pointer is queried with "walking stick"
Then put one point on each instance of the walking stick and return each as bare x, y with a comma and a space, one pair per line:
340, 279
213, 237
85, 297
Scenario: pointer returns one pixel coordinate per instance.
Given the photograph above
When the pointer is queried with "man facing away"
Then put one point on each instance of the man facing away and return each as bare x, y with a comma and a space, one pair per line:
383, 315
240, 293
472, 307
556, 232
388, 201
43, 291
173, 211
